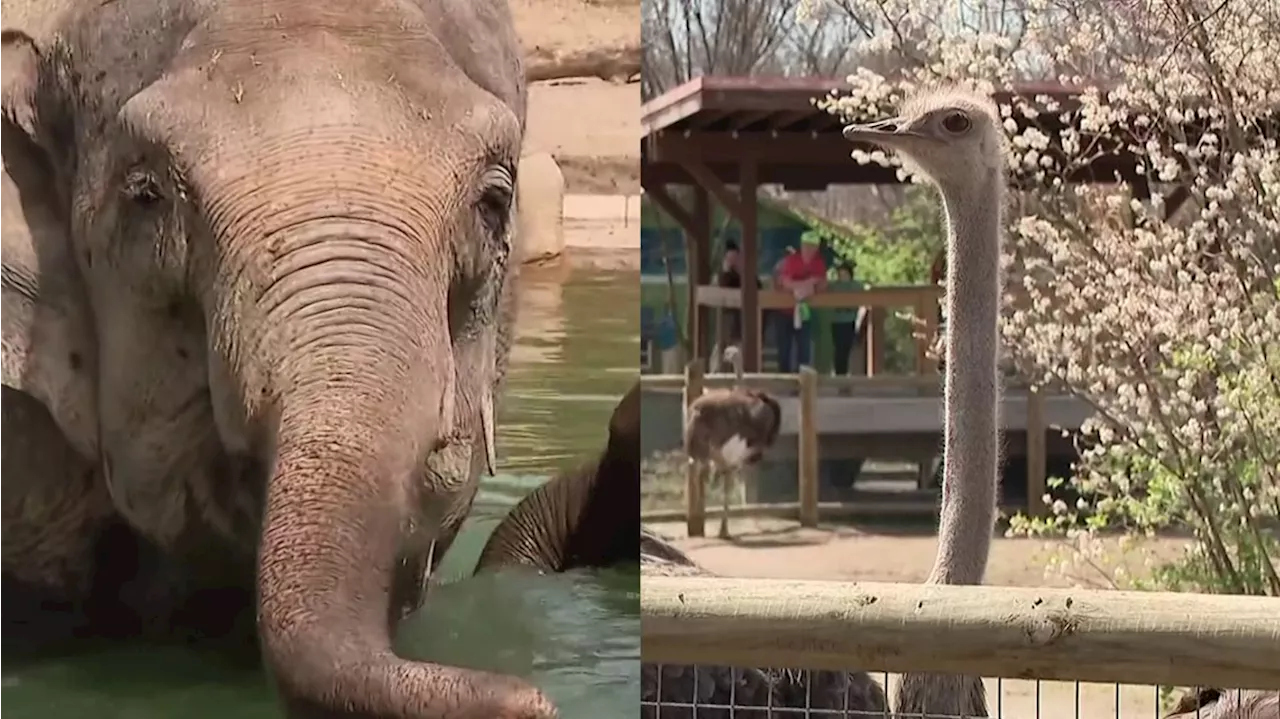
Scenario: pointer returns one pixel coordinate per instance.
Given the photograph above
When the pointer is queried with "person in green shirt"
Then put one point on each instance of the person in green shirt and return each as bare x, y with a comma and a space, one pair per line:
844, 321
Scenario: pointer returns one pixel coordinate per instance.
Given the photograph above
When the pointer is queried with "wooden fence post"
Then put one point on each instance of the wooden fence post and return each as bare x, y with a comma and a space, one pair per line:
1036, 452
695, 474
808, 447
875, 341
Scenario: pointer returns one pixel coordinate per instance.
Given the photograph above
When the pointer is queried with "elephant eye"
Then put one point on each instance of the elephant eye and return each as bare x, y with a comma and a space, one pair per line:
497, 190
140, 186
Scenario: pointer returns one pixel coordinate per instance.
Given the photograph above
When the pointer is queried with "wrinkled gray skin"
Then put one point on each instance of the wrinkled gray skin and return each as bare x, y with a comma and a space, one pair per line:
757, 692
586, 517
256, 277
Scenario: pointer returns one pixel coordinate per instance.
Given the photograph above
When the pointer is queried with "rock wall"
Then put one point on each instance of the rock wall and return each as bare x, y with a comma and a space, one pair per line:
540, 221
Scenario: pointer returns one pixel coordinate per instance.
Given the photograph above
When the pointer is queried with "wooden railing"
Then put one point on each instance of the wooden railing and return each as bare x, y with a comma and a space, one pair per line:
1016, 632
807, 386
877, 301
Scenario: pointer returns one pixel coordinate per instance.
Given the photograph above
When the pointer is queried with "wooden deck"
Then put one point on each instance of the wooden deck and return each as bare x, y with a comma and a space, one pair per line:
881, 405
877, 417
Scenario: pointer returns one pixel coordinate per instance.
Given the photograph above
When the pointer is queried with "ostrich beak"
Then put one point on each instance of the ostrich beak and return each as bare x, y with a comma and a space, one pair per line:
890, 132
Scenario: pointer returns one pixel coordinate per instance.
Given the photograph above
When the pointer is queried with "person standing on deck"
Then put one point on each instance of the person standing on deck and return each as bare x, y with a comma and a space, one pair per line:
730, 276
803, 274
844, 321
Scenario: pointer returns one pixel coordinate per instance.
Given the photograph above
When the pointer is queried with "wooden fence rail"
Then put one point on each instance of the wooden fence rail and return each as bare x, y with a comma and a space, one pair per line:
1011, 632
878, 302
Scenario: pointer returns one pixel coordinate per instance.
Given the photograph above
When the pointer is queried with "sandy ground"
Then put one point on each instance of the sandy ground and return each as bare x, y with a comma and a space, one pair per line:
591, 127
783, 550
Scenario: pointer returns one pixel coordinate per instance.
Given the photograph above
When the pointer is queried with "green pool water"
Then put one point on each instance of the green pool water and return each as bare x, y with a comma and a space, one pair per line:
575, 635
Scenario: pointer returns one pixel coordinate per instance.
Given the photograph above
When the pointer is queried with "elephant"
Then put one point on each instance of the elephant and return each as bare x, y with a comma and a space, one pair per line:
583, 518
754, 691
258, 287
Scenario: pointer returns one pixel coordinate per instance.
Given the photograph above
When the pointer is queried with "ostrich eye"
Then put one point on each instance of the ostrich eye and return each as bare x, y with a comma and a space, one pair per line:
956, 123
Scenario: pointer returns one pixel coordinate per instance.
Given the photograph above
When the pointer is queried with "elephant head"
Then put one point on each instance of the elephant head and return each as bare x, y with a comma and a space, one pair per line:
584, 518
293, 227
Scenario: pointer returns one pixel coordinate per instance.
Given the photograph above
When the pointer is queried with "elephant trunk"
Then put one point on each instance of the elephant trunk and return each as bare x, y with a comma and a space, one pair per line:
355, 357
333, 531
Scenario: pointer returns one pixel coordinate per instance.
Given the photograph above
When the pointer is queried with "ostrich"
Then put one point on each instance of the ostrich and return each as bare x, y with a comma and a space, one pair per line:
954, 138
729, 429
1227, 704
756, 693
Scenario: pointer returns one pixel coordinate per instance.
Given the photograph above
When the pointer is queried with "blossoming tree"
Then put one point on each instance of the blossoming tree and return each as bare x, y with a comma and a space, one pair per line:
1156, 299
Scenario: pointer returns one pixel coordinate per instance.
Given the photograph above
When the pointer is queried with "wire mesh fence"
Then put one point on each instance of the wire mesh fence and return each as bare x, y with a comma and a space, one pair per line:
674, 691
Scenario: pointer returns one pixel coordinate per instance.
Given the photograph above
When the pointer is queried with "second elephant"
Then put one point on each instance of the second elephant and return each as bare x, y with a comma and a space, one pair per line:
588, 517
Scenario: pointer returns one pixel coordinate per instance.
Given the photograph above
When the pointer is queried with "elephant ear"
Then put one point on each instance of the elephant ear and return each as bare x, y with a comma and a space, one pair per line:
49, 346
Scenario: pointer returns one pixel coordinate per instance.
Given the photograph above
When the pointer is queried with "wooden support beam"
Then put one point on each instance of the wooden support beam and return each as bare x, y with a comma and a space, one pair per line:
875, 341
706, 118
796, 148
663, 199
785, 120
700, 273
828, 154
691, 315
693, 239
695, 478
703, 176
747, 119
1022, 632
808, 447
750, 267
809, 177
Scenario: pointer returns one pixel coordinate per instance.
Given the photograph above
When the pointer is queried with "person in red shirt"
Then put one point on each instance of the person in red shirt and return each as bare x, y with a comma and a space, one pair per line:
802, 274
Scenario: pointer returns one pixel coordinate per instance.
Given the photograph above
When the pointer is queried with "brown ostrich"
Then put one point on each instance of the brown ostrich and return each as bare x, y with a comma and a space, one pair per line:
754, 692
729, 429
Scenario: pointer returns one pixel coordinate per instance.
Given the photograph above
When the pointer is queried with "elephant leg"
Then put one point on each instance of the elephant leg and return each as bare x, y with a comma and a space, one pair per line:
55, 506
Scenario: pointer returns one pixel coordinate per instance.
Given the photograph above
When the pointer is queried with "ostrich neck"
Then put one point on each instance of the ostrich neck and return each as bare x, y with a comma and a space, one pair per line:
971, 429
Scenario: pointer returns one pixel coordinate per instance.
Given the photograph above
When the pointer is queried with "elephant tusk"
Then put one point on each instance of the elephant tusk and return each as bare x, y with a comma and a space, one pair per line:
487, 360
486, 422
426, 576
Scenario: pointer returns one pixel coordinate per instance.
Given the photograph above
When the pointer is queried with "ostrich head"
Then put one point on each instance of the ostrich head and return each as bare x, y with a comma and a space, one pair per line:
732, 355
947, 135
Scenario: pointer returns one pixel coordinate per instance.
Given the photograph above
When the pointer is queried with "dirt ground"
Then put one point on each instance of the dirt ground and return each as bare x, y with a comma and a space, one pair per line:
591, 126
782, 550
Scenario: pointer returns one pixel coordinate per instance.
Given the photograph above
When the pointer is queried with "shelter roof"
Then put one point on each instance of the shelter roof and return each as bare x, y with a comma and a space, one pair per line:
721, 122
